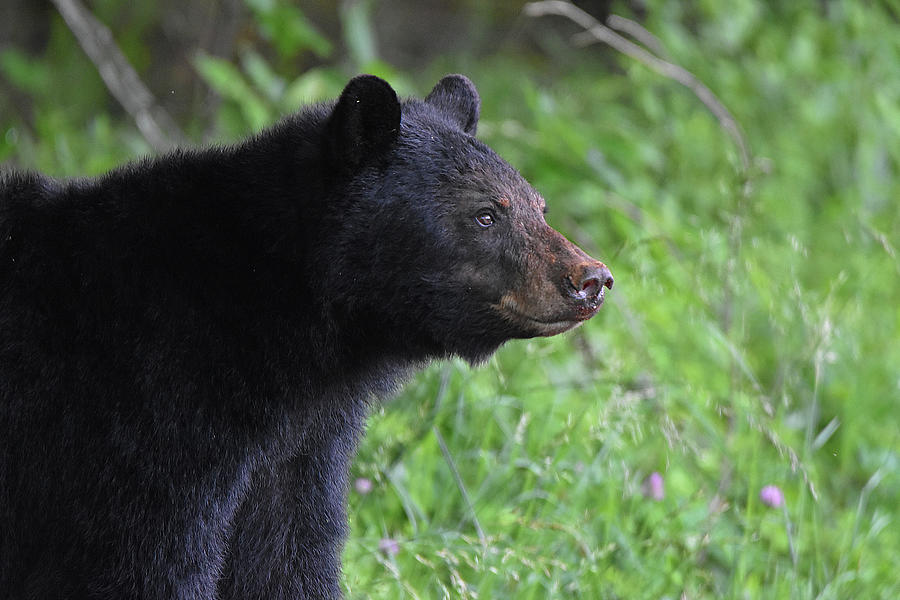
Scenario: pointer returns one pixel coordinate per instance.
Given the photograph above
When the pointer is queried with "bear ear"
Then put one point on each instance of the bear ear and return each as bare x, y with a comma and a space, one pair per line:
365, 121
456, 96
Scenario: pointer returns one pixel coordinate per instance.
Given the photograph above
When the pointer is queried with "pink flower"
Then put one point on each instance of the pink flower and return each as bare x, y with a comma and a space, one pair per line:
771, 495
363, 485
653, 487
389, 546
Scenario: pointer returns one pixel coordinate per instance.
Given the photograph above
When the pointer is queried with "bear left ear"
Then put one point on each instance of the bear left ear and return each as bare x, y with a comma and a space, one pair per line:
457, 97
365, 121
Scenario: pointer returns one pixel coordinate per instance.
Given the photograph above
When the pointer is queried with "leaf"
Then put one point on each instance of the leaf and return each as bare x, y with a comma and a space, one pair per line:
358, 31
30, 76
229, 82
262, 76
312, 86
288, 29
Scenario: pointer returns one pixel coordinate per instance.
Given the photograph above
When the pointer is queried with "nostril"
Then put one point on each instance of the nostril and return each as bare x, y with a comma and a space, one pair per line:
589, 285
607, 278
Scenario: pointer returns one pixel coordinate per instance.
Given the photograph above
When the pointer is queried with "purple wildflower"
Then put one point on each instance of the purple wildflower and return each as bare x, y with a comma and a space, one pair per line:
363, 485
653, 487
771, 495
389, 546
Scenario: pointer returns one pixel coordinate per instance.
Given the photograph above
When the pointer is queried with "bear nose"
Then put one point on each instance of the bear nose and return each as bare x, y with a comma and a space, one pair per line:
589, 283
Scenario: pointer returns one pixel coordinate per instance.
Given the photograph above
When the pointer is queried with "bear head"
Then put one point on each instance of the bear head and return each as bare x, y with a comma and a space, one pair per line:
439, 246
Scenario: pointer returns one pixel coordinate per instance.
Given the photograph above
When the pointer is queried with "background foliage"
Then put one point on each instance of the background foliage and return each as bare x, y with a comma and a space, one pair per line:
751, 338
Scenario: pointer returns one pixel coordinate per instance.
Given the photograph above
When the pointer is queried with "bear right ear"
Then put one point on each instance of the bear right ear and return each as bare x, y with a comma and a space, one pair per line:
456, 96
365, 121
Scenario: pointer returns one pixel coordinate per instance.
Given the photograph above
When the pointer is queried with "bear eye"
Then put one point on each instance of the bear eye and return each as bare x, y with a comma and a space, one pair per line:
485, 219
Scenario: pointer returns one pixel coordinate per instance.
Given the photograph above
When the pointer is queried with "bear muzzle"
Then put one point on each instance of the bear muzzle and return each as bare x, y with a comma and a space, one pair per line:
561, 287
546, 309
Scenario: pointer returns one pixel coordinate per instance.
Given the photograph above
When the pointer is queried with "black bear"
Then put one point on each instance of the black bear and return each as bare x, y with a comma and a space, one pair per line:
189, 344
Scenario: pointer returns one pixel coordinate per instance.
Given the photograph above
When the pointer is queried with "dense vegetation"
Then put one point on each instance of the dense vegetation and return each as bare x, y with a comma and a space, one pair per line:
752, 338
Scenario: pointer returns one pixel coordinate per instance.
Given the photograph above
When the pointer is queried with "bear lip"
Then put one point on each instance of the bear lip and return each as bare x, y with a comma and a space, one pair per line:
557, 327
510, 310
548, 328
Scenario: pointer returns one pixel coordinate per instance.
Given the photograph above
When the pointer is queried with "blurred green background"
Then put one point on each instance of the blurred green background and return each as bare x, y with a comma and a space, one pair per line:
752, 338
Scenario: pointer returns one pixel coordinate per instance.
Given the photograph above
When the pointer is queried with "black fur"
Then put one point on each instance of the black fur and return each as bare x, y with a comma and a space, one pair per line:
188, 344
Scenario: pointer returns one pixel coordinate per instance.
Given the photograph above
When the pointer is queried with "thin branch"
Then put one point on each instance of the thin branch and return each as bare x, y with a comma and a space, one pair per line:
629, 27
604, 34
154, 123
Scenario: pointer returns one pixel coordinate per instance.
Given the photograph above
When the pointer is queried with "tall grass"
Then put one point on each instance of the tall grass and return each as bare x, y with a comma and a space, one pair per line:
751, 340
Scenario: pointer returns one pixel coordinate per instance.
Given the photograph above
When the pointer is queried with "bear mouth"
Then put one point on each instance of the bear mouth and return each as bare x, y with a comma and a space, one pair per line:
544, 326
547, 329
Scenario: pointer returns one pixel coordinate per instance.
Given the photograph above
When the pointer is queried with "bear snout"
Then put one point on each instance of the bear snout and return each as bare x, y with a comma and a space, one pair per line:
587, 280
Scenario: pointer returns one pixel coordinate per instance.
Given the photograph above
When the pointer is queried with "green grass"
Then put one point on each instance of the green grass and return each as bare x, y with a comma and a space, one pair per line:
752, 338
